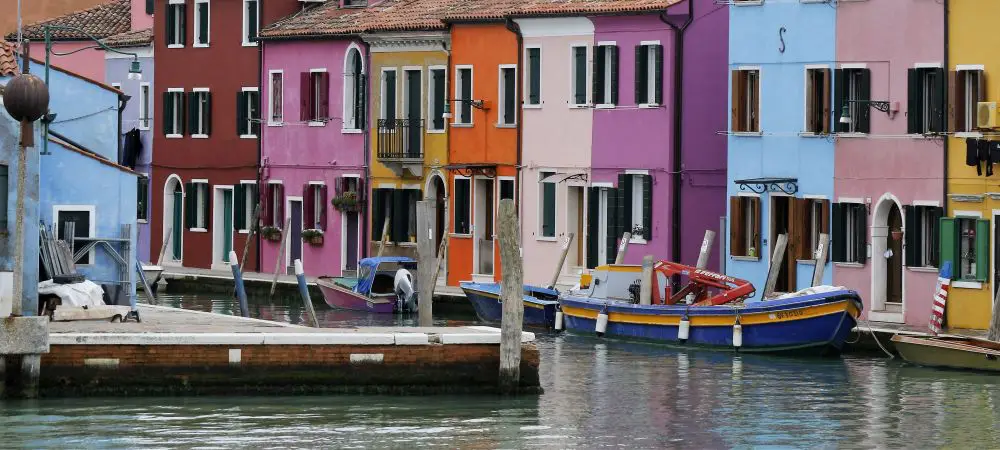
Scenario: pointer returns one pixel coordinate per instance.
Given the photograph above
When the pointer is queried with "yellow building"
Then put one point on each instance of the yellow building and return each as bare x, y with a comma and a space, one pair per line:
409, 137
969, 233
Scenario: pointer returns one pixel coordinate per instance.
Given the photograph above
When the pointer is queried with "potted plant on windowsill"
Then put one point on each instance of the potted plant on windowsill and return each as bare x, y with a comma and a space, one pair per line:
270, 233
346, 202
313, 236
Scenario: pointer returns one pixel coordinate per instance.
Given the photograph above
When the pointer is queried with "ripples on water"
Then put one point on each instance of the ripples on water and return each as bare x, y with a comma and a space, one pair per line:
598, 394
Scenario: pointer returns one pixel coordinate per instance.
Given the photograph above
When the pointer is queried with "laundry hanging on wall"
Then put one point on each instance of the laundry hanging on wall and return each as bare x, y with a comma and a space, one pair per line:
980, 152
132, 147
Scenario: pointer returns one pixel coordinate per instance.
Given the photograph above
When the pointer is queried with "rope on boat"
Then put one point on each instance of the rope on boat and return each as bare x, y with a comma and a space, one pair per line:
875, 337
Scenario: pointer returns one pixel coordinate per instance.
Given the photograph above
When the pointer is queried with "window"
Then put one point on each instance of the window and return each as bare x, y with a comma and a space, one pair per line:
508, 95
251, 21
399, 208
248, 113
274, 205
506, 188
83, 220
463, 209
315, 97
463, 93
970, 89
579, 74
141, 198
636, 205
354, 91
144, 107
746, 101
921, 235
965, 243
389, 95
606, 74
4, 195
744, 226
548, 205
438, 92
649, 74
534, 77
818, 101
926, 100
814, 215
196, 209
314, 206
245, 202
176, 23
849, 239
173, 112
275, 113
852, 91
201, 22
200, 113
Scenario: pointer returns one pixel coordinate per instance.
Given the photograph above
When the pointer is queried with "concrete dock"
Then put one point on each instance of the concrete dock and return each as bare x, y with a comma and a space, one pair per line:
181, 352
876, 337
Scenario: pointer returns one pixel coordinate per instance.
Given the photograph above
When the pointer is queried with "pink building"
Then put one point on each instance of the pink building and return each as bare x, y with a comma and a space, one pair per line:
888, 175
313, 146
72, 34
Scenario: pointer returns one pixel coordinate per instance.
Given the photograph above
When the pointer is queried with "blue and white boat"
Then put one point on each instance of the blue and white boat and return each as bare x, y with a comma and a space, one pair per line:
540, 304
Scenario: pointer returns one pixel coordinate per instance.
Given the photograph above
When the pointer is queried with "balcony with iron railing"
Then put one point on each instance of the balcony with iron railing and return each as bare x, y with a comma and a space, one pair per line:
400, 145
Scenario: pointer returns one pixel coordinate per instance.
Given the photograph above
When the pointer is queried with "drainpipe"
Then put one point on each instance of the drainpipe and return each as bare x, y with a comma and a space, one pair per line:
122, 103
677, 166
516, 29
947, 46
369, 186
260, 149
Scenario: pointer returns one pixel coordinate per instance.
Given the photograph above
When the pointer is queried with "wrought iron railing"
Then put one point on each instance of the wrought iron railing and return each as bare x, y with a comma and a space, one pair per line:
400, 139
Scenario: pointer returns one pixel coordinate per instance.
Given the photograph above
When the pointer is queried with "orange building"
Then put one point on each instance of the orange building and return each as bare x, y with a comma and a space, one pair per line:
484, 111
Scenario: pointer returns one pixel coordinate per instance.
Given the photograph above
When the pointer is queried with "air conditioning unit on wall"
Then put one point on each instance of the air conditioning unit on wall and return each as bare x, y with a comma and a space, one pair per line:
986, 115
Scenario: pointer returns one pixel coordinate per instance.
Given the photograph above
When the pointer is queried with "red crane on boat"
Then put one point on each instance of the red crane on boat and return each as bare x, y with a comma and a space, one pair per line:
701, 283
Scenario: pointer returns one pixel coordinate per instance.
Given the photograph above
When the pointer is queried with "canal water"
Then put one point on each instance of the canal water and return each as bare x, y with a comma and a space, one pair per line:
597, 394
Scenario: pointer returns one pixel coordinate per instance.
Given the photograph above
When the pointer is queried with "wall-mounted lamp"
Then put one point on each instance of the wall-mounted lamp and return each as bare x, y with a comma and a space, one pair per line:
884, 106
134, 70
478, 104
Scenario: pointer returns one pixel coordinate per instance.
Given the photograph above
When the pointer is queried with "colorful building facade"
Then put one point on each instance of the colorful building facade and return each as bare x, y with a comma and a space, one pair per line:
781, 154
887, 168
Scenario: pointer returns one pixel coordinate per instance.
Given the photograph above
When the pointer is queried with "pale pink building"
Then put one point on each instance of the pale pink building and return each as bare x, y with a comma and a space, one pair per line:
889, 187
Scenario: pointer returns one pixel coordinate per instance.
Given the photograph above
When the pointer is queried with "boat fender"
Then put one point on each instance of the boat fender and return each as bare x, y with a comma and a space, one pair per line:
602, 323
406, 295
737, 335
684, 329
559, 320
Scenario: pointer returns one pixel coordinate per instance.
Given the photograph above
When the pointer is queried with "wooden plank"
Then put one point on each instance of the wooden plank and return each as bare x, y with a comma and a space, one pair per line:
67, 313
822, 254
777, 257
562, 259
281, 254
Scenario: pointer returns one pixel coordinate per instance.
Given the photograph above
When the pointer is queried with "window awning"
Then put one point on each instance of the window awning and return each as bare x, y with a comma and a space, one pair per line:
561, 177
769, 184
468, 170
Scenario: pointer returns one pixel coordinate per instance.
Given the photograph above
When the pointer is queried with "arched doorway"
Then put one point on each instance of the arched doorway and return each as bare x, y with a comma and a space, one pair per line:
887, 258
173, 218
436, 191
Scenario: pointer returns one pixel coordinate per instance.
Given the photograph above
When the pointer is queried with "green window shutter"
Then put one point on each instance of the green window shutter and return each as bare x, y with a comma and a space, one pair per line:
647, 207
252, 22
641, 72
613, 61
182, 118
190, 197
612, 216
580, 87
241, 114
254, 99
377, 215
934, 259
192, 112
937, 100
548, 208
182, 12
202, 23
838, 238
625, 207
535, 82
861, 231
600, 59
948, 243
658, 74
865, 93
168, 114
206, 205
400, 215
208, 113
839, 98
593, 232
982, 250
240, 206
439, 96
912, 235
914, 112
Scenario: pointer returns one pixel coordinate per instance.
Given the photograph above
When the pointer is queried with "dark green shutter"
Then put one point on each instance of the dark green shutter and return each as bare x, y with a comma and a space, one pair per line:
912, 235
253, 98
600, 59
240, 206
580, 87
205, 204
948, 243
864, 124
641, 73
625, 208
647, 207
149, 7
535, 80
914, 112
614, 75
182, 119
400, 215
208, 113
658, 74
548, 207
839, 98
390, 95
202, 22
982, 250
252, 25
937, 100
593, 232
362, 101
439, 96
192, 112
182, 11
934, 259
612, 227
378, 211
171, 14
861, 231
510, 96
838, 238
190, 197
168, 114
241, 114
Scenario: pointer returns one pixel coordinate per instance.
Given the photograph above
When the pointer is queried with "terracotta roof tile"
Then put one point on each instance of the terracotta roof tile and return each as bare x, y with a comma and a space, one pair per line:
8, 59
495, 10
101, 21
137, 38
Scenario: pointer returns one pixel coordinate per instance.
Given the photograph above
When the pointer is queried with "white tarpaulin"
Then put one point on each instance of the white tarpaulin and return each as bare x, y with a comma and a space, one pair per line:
82, 294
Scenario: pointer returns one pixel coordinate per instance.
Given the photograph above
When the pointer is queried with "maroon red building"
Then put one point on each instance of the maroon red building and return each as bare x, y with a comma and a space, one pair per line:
205, 168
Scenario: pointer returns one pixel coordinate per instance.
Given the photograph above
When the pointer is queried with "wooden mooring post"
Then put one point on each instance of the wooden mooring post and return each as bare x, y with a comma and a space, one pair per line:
253, 230
777, 257
646, 285
300, 276
384, 238
822, 251
562, 259
425, 262
623, 248
511, 296
241, 293
706, 249
281, 255
994, 332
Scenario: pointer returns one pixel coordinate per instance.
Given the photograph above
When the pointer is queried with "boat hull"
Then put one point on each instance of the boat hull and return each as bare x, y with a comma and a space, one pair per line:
816, 325
485, 299
342, 298
947, 353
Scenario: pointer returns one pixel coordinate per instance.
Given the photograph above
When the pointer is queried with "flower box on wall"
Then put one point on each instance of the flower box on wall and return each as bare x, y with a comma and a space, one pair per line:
313, 236
347, 202
272, 234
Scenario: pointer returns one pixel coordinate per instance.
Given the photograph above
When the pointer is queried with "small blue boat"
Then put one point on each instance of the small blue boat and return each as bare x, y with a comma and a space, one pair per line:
540, 304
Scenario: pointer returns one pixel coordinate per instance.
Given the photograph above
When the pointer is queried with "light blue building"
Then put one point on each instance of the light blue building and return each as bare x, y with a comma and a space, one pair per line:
73, 176
781, 150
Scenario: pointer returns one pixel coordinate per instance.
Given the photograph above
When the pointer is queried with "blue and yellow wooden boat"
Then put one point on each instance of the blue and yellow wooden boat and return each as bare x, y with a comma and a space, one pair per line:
539, 303
814, 321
